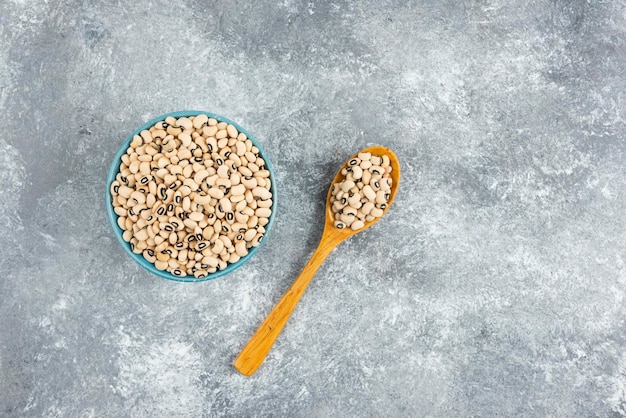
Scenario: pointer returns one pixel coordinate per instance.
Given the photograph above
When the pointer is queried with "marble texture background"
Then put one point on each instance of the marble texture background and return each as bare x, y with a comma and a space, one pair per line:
494, 286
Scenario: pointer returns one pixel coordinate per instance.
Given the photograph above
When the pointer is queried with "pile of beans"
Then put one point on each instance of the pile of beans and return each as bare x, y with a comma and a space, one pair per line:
362, 195
192, 195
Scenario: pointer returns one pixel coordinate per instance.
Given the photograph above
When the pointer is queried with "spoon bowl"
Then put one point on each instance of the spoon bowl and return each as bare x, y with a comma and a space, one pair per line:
345, 233
259, 345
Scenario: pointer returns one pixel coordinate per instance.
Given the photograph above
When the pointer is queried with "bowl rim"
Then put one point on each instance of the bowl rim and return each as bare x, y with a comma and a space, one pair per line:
112, 216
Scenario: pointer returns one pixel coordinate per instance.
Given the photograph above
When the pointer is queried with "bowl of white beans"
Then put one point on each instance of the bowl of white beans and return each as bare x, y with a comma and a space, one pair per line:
191, 196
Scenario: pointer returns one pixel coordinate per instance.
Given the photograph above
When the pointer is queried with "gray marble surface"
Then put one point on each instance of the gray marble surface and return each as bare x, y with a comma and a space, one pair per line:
494, 286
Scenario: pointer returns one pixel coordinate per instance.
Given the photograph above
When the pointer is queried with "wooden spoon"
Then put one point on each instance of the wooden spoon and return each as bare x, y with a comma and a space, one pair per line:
261, 342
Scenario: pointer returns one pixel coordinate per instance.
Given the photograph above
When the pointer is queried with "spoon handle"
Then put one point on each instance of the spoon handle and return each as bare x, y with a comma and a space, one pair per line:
261, 342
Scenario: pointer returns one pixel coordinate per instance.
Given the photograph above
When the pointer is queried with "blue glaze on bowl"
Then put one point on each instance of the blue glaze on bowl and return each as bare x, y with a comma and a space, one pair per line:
117, 231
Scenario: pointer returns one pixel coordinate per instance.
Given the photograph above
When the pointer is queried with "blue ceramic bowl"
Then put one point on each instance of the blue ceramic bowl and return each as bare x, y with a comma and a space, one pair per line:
117, 231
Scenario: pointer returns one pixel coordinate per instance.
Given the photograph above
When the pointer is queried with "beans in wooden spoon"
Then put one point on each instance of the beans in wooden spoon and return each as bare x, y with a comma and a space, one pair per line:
259, 345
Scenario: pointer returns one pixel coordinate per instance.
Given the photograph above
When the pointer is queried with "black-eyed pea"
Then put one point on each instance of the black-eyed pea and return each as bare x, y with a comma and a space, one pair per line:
197, 232
337, 206
169, 179
217, 225
218, 246
141, 235
201, 245
249, 196
350, 211
216, 193
241, 217
381, 197
125, 191
144, 168
355, 201
160, 265
264, 203
339, 224
158, 240
227, 242
260, 181
173, 130
160, 255
136, 141
200, 175
377, 170
179, 272
376, 212
232, 131
261, 193
186, 141
367, 207
369, 193
244, 171
209, 132
211, 179
238, 190
200, 274
239, 227
385, 184
120, 211
221, 134
347, 218
223, 171
253, 221
149, 255
146, 135
127, 235
256, 241
137, 198
207, 233
200, 121
175, 169
249, 234
158, 135
356, 225
202, 199
240, 148
263, 221
347, 185
210, 261
249, 182
196, 216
